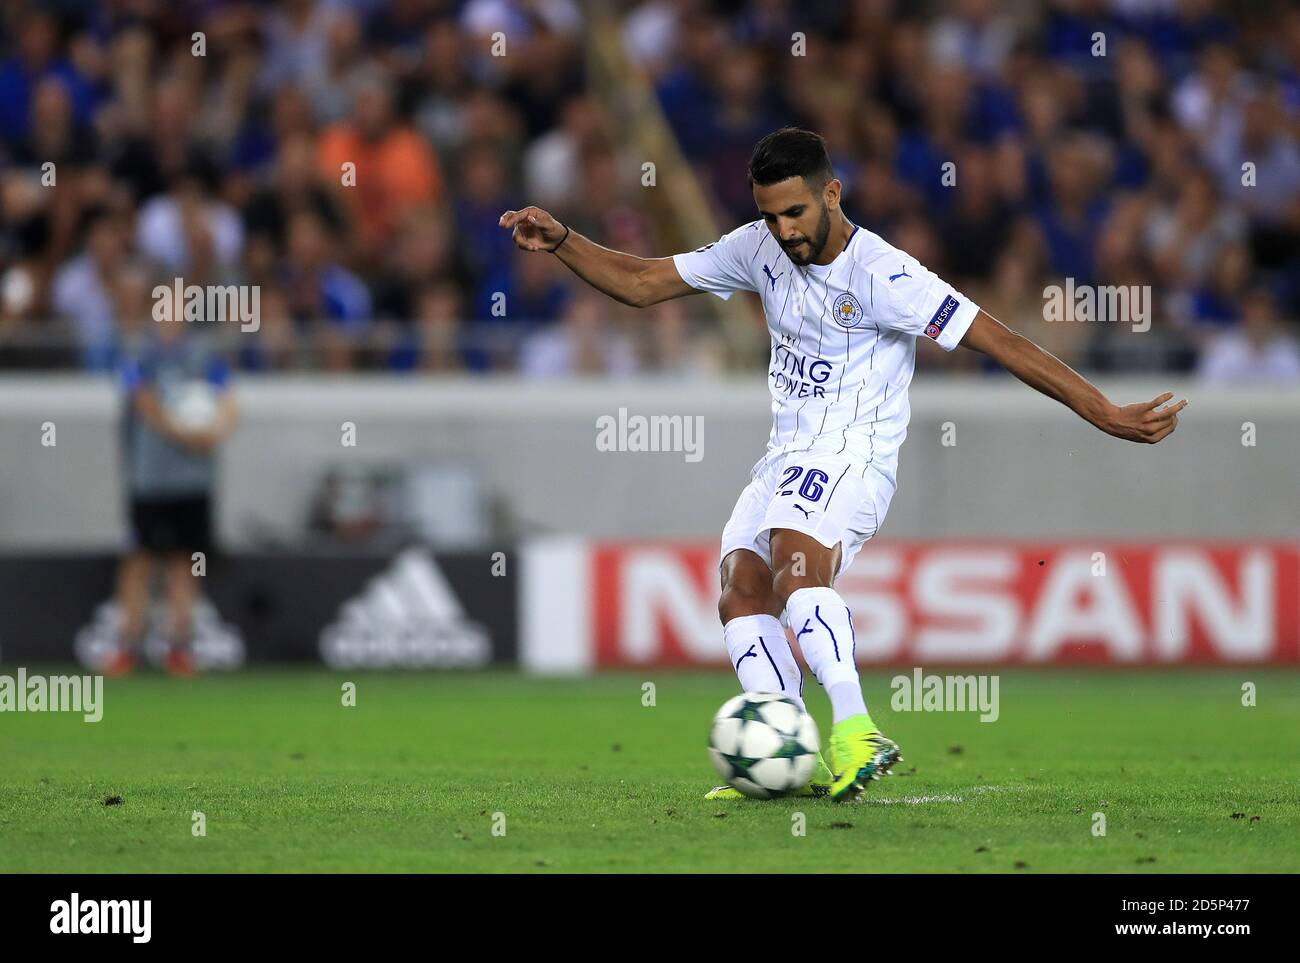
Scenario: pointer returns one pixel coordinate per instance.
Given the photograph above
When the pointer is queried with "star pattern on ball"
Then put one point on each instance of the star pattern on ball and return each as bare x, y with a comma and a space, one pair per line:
749, 712
792, 748
740, 765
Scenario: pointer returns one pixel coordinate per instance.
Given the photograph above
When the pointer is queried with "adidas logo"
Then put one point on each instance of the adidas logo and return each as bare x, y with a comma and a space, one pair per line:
407, 617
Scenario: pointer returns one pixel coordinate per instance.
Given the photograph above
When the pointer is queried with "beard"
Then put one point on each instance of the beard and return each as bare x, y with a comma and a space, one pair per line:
816, 244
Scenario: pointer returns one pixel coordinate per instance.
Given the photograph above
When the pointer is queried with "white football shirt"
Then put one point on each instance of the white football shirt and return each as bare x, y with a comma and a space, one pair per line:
843, 336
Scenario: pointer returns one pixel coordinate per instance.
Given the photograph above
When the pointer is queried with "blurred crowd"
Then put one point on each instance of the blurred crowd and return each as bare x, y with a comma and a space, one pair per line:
350, 158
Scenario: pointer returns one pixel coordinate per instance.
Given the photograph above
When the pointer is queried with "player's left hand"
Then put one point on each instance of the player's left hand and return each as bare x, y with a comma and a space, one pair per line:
1146, 422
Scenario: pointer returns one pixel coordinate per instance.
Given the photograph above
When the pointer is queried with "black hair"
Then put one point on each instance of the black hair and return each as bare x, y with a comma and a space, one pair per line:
791, 152
201, 168
91, 217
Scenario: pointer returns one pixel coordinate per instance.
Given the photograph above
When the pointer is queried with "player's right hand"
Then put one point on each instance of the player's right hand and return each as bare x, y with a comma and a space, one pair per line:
533, 229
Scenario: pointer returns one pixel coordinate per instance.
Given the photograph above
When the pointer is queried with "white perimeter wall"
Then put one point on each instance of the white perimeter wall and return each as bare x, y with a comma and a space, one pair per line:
1022, 465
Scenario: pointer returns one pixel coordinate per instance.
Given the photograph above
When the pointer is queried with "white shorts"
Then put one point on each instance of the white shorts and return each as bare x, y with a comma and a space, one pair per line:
835, 499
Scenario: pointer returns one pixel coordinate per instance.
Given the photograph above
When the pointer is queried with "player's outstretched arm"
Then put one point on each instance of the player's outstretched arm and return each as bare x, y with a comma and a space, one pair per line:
1146, 422
633, 280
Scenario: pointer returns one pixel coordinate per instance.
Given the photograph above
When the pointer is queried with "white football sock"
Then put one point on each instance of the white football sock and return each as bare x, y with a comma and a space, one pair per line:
846, 700
823, 628
762, 658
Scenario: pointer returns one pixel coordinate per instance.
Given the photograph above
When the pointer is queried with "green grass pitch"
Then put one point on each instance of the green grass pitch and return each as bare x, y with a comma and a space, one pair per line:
589, 779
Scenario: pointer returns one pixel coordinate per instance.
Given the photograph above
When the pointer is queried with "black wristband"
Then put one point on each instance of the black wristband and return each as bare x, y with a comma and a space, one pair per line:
561, 241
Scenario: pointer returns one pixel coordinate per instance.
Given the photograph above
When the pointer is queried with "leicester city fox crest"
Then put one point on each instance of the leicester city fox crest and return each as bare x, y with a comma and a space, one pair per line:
848, 310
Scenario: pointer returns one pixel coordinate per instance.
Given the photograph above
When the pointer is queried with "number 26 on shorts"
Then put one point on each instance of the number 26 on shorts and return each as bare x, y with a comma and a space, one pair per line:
811, 488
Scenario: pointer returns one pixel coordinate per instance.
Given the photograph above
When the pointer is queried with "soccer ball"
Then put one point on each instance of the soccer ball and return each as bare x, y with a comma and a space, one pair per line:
194, 406
763, 744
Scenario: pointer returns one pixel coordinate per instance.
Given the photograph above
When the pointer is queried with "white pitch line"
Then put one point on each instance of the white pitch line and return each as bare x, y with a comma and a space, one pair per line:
912, 800
943, 797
